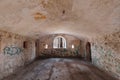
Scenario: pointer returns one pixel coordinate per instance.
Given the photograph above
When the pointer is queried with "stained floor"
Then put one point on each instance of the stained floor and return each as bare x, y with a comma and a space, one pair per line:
60, 69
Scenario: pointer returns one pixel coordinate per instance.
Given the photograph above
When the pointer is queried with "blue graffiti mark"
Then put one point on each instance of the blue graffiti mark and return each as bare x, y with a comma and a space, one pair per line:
12, 50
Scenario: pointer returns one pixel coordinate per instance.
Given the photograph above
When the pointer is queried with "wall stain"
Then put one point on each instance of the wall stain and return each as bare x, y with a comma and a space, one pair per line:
38, 16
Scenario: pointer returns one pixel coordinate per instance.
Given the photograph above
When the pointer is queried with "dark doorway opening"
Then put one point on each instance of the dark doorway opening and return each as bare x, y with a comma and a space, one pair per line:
88, 51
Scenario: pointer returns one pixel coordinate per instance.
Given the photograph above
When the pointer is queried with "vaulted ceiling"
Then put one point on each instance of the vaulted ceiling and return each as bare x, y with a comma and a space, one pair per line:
82, 18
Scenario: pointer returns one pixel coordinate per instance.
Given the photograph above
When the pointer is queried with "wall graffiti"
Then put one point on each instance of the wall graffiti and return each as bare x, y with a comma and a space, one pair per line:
12, 50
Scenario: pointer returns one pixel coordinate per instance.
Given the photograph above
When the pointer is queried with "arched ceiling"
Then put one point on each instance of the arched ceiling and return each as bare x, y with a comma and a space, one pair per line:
35, 18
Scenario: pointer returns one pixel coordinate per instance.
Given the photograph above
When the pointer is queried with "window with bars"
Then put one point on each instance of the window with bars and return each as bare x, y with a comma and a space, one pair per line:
59, 42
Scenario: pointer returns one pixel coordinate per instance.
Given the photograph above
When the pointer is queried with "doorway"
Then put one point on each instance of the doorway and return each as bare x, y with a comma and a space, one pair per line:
88, 51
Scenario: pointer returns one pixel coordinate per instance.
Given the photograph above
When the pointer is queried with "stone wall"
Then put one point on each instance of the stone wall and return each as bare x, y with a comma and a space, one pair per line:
12, 52
78, 51
106, 53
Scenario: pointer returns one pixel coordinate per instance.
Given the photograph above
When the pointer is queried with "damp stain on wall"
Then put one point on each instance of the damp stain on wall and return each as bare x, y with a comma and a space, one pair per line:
39, 16
44, 4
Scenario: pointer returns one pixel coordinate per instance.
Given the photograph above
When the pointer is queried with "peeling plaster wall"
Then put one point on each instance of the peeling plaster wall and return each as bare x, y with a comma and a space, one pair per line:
9, 63
78, 51
106, 53
85, 18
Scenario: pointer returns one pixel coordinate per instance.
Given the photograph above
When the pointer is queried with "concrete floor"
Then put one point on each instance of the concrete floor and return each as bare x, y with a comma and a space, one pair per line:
59, 69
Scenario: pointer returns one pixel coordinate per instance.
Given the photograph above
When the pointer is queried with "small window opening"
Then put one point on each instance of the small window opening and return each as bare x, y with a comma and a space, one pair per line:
25, 44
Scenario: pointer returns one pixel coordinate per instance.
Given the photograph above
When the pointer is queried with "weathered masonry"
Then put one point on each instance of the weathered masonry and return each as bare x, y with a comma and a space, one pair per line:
44, 39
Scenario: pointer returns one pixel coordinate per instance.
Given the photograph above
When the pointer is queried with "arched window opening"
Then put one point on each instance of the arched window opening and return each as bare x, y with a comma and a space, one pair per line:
59, 42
